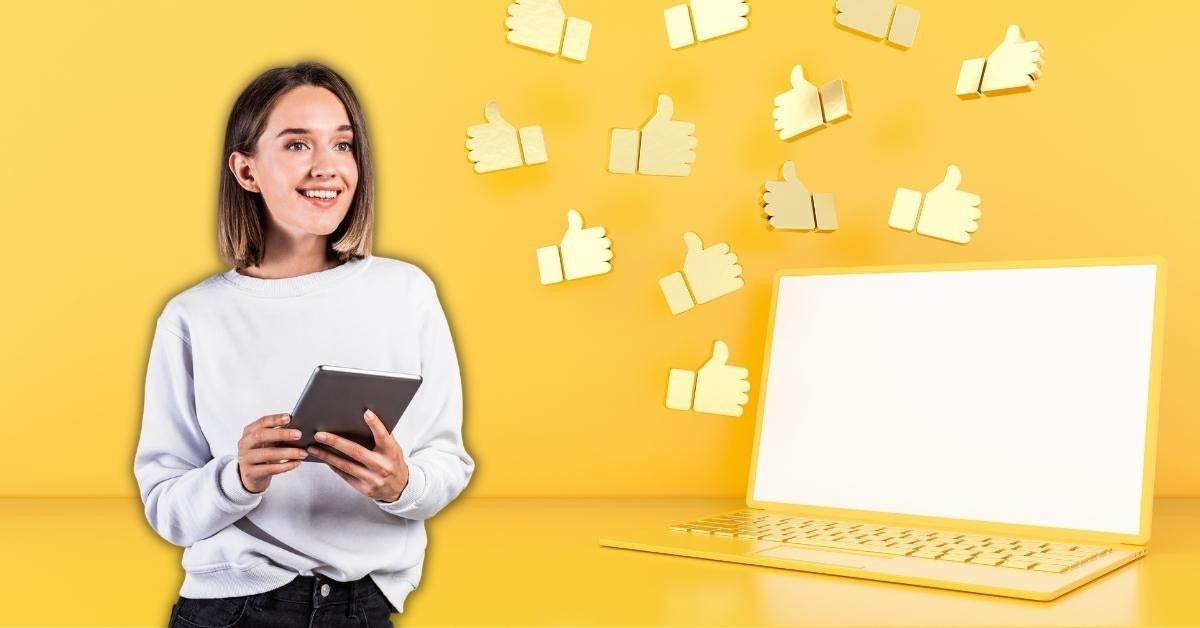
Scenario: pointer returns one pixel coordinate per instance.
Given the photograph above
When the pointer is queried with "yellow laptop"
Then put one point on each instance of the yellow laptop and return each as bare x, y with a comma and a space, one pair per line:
985, 427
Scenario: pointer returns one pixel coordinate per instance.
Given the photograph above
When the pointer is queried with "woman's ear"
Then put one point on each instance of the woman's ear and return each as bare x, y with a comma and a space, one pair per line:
243, 171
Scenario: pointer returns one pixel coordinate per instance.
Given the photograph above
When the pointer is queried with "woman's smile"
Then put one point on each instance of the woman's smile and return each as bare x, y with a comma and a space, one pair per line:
320, 198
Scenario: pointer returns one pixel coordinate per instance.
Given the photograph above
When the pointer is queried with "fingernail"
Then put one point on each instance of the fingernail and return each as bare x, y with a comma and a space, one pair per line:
284, 419
321, 436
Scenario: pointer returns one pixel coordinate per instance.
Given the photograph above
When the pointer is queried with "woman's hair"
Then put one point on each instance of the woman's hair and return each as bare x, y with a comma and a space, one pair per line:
241, 233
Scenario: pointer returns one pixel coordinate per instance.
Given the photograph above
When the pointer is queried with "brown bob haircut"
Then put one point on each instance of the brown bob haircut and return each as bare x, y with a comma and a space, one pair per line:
242, 214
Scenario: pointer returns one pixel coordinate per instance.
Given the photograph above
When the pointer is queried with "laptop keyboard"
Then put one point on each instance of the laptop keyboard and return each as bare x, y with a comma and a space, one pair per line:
976, 549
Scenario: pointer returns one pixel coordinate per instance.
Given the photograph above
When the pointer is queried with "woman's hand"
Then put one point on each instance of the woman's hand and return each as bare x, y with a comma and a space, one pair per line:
258, 456
380, 473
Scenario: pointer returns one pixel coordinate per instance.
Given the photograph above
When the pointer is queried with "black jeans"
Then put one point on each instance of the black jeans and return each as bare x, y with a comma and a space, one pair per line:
307, 601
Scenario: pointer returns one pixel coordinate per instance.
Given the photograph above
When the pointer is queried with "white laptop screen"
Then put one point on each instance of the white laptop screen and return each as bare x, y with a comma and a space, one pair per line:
1008, 395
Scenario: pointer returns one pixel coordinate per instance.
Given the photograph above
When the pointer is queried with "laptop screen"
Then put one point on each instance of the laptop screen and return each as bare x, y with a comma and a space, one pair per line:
1014, 395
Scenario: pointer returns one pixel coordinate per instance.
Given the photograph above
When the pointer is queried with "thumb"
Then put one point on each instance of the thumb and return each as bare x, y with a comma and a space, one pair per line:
665, 109
1013, 35
492, 113
798, 76
720, 354
574, 220
693, 242
953, 177
789, 171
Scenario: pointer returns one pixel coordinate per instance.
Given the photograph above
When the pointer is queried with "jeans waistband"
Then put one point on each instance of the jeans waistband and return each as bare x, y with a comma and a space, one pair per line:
322, 590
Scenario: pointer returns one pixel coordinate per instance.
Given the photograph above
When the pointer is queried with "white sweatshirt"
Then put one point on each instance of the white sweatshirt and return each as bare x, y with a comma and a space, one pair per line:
235, 348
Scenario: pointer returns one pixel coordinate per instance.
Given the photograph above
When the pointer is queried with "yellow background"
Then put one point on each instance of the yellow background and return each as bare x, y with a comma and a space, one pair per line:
113, 120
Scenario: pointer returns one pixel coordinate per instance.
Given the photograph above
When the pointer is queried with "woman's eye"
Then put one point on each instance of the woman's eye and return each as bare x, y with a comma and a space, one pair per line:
289, 146
348, 144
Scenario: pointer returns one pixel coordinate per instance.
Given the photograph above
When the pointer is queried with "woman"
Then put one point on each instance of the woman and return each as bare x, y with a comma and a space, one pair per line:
270, 541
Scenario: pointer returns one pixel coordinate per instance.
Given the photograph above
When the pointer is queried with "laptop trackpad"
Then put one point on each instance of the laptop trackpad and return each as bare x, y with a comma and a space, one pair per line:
814, 556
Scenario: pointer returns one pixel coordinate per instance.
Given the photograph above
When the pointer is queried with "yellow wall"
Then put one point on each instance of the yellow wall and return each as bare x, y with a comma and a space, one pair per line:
113, 116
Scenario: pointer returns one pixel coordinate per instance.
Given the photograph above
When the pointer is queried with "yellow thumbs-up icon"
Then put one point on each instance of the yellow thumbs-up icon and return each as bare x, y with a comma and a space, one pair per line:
789, 205
581, 253
878, 18
1012, 67
716, 388
663, 147
495, 145
712, 18
538, 24
804, 108
947, 213
710, 272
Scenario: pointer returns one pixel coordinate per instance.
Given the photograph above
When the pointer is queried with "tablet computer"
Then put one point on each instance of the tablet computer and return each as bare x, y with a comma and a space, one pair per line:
335, 398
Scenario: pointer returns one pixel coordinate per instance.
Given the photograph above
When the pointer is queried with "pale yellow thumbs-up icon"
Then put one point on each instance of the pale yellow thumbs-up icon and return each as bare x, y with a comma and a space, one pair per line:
710, 273
497, 145
581, 253
804, 108
789, 205
947, 213
663, 147
712, 18
715, 388
878, 18
1012, 67
539, 24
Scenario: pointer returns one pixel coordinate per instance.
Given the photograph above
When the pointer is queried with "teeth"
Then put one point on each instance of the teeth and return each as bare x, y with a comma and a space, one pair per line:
321, 193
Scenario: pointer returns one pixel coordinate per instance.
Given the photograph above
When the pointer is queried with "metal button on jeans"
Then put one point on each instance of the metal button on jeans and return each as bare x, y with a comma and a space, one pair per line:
324, 590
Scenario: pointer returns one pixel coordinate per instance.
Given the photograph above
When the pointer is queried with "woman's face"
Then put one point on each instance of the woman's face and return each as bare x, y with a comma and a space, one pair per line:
307, 146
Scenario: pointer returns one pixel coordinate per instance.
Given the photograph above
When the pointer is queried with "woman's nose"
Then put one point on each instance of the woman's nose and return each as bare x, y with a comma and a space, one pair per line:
323, 160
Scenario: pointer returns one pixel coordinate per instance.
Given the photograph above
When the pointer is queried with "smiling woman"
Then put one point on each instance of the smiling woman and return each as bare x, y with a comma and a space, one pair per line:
296, 144
339, 544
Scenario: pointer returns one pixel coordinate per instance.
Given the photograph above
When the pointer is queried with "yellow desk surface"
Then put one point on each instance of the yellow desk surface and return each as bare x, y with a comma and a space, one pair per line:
531, 561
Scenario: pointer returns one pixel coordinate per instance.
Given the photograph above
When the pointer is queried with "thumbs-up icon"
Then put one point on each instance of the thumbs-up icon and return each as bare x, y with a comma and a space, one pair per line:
664, 146
1012, 67
494, 146
711, 272
948, 213
712, 18
804, 108
878, 18
581, 253
789, 205
716, 388
538, 24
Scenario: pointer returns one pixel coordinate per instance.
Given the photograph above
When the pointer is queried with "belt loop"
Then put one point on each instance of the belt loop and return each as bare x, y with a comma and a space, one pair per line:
350, 602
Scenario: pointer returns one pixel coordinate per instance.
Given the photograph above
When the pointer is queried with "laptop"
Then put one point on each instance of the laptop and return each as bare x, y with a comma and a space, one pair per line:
984, 427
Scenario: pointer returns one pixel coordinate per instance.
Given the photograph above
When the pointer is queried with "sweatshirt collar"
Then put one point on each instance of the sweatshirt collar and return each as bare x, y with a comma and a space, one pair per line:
298, 285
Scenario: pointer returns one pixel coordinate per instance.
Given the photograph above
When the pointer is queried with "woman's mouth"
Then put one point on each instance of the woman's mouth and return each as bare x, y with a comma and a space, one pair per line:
320, 198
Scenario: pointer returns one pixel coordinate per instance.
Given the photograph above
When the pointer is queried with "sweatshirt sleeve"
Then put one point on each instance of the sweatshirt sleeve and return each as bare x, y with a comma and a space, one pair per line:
188, 495
438, 464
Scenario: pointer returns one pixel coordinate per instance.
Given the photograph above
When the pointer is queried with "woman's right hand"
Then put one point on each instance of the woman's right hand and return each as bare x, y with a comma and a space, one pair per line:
259, 458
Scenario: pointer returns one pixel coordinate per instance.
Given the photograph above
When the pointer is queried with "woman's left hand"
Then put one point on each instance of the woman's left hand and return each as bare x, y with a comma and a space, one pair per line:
380, 474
